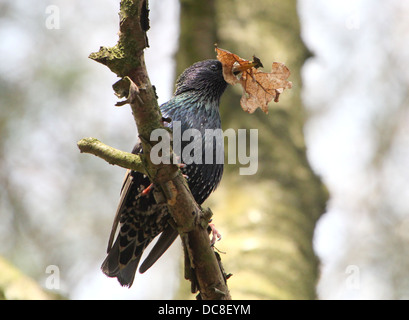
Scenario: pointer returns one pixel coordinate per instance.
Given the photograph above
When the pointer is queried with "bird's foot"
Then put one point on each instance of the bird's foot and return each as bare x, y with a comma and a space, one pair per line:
147, 190
216, 236
178, 162
181, 165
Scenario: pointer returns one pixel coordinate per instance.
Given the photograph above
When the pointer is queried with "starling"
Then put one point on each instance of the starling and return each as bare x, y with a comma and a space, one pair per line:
140, 218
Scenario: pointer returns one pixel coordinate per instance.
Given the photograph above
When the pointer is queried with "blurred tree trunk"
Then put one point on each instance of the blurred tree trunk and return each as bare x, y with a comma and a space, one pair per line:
197, 32
267, 219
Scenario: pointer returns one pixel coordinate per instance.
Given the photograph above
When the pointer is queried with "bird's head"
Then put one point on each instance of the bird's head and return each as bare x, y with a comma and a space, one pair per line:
203, 77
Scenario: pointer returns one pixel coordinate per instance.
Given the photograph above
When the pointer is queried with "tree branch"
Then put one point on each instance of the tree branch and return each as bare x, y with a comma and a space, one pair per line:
126, 59
111, 155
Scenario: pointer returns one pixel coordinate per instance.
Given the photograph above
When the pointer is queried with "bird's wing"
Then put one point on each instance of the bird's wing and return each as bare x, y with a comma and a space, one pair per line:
126, 187
139, 219
164, 242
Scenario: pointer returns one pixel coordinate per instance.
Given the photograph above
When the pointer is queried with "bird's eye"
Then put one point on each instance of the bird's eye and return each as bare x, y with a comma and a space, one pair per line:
213, 67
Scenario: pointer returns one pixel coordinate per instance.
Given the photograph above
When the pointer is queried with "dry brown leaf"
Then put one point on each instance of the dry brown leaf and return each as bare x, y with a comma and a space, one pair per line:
259, 88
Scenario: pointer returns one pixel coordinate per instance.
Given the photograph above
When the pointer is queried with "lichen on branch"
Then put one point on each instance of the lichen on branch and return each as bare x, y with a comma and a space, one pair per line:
111, 155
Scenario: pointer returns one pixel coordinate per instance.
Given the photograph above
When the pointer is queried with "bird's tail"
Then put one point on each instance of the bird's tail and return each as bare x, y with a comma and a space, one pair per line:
122, 264
124, 256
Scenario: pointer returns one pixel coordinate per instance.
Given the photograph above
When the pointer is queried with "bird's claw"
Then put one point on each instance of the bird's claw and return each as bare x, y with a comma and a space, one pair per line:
180, 165
216, 236
147, 190
178, 162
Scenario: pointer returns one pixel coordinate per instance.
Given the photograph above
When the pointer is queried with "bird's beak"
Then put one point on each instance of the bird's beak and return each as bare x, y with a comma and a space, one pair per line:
238, 68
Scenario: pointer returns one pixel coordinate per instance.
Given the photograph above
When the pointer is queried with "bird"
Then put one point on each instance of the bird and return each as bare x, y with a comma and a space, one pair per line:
139, 218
